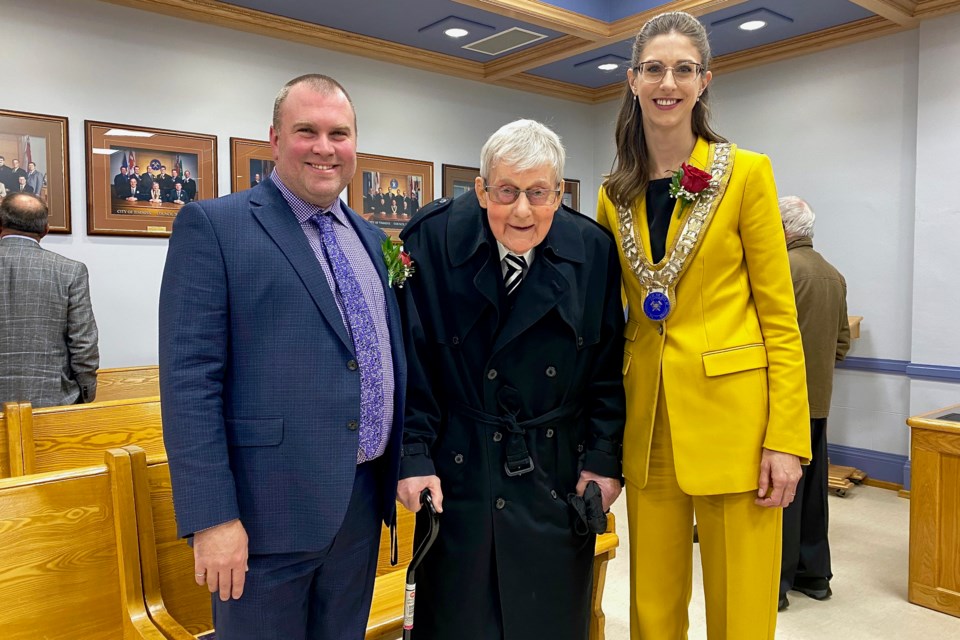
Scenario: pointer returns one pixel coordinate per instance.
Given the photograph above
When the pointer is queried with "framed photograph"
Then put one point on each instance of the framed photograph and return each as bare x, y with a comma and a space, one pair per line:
139, 177
458, 180
571, 193
389, 191
33, 147
251, 161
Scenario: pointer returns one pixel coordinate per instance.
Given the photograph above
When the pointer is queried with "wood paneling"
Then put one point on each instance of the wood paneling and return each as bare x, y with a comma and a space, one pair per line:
934, 580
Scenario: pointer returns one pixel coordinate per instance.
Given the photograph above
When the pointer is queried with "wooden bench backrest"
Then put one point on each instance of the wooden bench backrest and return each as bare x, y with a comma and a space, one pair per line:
58, 438
128, 382
69, 562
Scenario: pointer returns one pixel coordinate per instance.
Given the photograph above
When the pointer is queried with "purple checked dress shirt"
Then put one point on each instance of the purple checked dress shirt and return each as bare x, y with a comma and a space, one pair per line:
373, 295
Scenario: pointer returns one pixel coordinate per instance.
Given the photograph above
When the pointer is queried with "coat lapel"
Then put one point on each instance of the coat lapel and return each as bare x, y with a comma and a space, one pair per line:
275, 216
549, 281
469, 249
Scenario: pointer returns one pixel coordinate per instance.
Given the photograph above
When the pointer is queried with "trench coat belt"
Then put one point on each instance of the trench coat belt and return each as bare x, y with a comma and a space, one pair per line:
518, 460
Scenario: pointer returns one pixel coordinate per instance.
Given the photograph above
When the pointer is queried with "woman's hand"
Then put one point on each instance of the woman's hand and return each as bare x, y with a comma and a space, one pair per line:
408, 492
779, 474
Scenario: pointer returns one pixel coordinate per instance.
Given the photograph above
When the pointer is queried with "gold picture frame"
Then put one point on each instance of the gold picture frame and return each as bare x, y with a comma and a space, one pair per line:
115, 205
41, 140
389, 191
251, 162
458, 180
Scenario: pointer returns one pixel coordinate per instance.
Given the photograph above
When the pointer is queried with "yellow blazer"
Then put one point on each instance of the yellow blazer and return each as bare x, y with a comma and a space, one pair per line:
729, 356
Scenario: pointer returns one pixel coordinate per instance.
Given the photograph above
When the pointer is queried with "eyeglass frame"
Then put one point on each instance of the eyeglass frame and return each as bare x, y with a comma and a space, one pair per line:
490, 188
699, 72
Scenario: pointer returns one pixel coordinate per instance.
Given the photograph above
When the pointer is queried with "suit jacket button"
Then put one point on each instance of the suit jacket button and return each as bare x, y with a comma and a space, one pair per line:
352, 365
501, 503
492, 374
660, 328
497, 436
352, 425
458, 458
551, 372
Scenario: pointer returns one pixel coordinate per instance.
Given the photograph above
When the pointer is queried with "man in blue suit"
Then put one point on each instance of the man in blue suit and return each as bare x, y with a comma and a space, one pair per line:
282, 378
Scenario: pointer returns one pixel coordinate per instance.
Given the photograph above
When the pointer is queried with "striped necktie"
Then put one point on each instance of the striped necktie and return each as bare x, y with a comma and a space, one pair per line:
516, 265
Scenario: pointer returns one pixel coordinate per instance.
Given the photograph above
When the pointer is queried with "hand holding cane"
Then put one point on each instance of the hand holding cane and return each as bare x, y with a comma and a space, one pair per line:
410, 592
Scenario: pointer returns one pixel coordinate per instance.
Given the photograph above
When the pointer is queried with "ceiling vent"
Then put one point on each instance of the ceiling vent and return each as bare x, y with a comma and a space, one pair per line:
505, 41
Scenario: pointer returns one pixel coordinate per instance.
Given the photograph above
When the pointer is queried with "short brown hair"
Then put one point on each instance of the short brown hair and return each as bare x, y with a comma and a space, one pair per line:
318, 82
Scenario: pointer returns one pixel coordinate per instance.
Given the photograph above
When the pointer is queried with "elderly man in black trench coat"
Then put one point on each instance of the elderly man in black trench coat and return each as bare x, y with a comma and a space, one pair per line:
515, 397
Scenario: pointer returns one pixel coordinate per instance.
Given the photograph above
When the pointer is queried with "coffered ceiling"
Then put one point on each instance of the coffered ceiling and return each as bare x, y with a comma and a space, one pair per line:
557, 47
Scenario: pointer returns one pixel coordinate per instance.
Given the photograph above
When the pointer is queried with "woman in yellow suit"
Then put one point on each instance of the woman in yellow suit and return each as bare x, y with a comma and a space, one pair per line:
717, 418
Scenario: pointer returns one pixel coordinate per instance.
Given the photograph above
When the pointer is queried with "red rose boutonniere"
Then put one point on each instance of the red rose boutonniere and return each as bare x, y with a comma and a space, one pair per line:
688, 182
398, 262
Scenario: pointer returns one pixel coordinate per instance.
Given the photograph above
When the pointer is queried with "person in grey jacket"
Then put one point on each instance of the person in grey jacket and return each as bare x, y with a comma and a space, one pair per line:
48, 335
821, 294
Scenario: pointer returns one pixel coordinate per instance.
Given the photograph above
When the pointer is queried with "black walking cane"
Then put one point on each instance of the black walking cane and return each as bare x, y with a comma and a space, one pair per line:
410, 593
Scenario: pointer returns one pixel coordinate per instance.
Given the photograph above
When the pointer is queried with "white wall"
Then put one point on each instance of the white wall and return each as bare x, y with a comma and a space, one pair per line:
82, 50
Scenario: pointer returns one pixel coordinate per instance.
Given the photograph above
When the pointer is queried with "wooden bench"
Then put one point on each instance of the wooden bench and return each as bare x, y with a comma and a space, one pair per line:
128, 382
58, 438
69, 561
182, 609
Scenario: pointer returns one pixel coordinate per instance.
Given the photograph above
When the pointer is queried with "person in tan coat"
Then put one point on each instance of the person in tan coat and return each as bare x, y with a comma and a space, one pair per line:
821, 294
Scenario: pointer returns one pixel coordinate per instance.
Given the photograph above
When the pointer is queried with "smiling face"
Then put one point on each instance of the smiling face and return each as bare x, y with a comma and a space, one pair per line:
668, 104
519, 226
315, 148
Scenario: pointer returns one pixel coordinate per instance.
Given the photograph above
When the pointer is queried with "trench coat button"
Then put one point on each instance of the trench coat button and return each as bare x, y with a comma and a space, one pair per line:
456, 340
579, 448
497, 436
352, 365
549, 433
501, 503
660, 328
551, 372
579, 341
553, 494
458, 458
492, 374
352, 425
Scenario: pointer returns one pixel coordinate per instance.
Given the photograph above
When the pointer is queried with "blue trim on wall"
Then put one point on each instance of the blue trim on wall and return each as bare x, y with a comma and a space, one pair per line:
933, 372
906, 475
902, 367
880, 365
878, 465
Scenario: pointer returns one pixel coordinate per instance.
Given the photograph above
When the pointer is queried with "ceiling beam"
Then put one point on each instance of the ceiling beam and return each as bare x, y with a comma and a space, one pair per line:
899, 11
631, 25
557, 49
933, 8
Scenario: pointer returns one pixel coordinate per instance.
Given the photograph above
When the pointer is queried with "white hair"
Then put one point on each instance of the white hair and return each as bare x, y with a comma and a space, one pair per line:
523, 145
797, 217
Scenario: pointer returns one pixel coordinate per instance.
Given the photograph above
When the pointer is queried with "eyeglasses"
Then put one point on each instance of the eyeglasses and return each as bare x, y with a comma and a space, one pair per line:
506, 194
683, 73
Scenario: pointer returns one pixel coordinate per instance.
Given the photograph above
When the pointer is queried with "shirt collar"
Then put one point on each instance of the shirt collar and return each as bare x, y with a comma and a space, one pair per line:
528, 256
304, 210
13, 235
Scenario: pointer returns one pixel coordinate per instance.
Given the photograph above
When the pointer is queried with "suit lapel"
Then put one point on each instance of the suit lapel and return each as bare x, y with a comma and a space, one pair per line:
275, 216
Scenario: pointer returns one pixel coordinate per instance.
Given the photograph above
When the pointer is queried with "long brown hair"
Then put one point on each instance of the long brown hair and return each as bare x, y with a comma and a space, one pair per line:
631, 170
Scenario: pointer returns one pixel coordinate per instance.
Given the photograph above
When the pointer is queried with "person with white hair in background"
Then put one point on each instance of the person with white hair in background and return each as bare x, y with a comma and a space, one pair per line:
821, 294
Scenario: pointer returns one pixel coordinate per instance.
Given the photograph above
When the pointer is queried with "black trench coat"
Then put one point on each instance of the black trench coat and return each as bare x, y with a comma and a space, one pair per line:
487, 382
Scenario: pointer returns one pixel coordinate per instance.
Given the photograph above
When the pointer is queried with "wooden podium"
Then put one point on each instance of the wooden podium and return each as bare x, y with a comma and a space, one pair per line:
935, 510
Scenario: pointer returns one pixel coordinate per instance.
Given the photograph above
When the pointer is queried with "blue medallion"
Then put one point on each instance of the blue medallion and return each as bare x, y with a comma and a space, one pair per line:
656, 305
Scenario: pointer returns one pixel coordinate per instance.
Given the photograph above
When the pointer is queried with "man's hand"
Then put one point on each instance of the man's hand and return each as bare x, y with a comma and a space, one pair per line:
220, 559
779, 474
408, 492
610, 488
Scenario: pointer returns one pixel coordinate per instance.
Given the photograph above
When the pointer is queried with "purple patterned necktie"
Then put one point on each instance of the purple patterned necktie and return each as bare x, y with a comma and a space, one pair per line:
364, 334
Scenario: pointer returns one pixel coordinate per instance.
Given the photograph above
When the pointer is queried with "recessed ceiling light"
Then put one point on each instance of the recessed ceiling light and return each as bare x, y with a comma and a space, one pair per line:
456, 32
753, 25
608, 66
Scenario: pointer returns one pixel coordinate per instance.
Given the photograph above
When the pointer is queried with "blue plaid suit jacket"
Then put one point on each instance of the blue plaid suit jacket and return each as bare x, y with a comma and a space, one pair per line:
256, 392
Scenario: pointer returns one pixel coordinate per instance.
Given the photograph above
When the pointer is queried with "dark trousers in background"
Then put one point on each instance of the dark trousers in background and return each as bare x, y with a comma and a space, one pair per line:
806, 550
313, 596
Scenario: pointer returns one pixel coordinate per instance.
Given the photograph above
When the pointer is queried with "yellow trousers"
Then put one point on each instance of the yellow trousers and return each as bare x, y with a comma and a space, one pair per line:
739, 546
